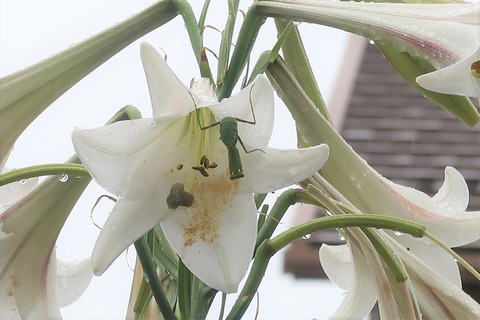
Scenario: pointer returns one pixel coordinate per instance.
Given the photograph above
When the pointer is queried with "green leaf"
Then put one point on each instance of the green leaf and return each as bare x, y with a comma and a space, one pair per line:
27, 93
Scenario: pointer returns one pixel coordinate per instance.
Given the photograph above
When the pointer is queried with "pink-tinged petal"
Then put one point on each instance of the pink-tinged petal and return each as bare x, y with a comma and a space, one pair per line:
8, 307
453, 194
170, 97
259, 95
442, 214
216, 246
128, 221
354, 276
277, 168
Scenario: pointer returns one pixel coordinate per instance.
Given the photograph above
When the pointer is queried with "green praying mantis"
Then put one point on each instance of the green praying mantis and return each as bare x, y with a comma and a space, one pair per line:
229, 137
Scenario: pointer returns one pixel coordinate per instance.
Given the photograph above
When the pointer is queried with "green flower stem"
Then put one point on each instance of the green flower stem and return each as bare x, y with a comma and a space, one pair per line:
203, 16
269, 247
345, 221
246, 39
151, 277
297, 61
195, 34
284, 201
387, 254
269, 56
226, 42
164, 254
384, 250
18, 175
184, 290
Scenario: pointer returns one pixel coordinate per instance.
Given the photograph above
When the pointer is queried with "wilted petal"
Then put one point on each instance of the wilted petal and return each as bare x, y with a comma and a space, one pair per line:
278, 168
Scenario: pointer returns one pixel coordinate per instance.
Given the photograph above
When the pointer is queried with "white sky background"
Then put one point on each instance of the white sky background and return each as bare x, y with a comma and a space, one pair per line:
33, 30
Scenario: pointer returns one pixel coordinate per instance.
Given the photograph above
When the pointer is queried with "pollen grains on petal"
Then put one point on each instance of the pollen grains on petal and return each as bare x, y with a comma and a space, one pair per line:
215, 237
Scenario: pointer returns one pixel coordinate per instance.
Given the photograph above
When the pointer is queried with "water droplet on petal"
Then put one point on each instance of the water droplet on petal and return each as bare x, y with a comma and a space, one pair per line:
398, 233
307, 236
23, 181
63, 177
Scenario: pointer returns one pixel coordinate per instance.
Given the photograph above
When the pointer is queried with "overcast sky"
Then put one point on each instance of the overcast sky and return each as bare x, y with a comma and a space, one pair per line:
34, 30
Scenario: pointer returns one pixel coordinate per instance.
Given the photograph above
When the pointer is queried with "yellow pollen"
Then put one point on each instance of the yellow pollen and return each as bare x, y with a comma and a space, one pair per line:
212, 201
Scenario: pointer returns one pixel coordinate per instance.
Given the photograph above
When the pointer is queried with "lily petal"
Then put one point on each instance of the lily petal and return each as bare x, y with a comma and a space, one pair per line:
278, 168
258, 95
433, 256
465, 84
168, 94
442, 212
454, 191
361, 292
111, 152
122, 228
73, 279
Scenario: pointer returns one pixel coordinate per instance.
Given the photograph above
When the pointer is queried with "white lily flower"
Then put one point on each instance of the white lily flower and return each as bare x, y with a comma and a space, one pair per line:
429, 268
153, 166
433, 273
33, 284
433, 284
445, 35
